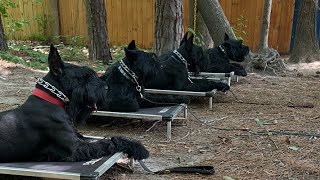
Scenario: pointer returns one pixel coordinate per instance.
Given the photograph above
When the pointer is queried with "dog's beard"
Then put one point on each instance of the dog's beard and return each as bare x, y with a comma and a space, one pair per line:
83, 102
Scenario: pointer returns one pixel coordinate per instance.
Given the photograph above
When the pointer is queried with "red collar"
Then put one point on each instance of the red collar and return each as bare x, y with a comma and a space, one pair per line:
47, 97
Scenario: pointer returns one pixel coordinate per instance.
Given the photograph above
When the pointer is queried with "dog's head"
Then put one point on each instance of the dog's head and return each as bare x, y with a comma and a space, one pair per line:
81, 85
235, 49
144, 64
193, 54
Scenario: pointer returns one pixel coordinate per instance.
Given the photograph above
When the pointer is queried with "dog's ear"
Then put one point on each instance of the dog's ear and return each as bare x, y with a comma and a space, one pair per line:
132, 45
131, 54
54, 61
184, 39
226, 37
189, 42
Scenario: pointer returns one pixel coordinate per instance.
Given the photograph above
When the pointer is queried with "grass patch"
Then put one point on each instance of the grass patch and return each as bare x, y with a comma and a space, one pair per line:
34, 55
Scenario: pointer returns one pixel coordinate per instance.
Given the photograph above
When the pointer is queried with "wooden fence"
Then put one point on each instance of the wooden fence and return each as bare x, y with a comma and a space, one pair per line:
134, 19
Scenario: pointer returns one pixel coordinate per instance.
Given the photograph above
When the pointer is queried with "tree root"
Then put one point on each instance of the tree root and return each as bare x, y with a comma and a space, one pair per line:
269, 61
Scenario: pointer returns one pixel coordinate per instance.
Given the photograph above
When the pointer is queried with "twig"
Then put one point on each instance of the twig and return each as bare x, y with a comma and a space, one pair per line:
182, 137
269, 132
275, 145
153, 125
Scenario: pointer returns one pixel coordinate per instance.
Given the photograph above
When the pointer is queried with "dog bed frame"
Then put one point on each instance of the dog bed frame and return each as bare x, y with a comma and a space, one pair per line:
208, 94
167, 114
215, 76
90, 170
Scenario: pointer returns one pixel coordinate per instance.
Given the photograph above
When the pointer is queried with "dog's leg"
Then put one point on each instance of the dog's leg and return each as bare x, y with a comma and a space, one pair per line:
203, 85
154, 100
68, 147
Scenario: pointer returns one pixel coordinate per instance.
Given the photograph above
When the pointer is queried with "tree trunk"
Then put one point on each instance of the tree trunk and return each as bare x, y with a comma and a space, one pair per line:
97, 31
264, 33
203, 30
201, 27
215, 20
53, 26
305, 47
3, 41
168, 25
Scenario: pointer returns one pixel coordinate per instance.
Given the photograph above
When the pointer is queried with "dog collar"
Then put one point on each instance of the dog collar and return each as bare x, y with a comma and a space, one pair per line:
47, 97
183, 60
222, 49
53, 90
130, 75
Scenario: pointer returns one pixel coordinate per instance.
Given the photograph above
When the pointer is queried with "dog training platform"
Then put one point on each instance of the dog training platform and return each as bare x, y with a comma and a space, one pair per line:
167, 114
215, 76
90, 170
209, 94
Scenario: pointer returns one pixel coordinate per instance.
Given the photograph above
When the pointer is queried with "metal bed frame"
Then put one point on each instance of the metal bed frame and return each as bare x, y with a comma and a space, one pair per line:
166, 114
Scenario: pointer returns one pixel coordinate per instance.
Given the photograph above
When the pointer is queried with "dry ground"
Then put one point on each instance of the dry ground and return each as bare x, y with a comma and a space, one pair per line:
233, 150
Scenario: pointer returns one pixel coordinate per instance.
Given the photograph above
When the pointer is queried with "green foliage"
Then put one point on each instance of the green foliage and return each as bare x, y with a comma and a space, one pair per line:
294, 148
4, 5
240, 31
198, 38
259, 122
17, 25
27, 56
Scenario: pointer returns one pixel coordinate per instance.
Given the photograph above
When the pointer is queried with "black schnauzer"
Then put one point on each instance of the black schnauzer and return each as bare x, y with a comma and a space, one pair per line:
174, 72
126, 78
42, 129
219, 57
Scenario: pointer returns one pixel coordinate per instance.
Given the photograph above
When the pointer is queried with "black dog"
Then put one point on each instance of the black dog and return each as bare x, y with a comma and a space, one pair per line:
126, 79
42, 129
174, 71
219, 57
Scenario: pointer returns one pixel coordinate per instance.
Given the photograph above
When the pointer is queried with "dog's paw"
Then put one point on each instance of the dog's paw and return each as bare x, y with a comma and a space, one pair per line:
183, 99
133, 148
222, 87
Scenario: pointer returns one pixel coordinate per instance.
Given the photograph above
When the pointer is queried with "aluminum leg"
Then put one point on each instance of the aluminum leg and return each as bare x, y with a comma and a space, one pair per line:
210, 102
169, 130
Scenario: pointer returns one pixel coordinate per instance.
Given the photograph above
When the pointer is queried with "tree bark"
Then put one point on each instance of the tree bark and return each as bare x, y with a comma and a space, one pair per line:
203, 30
264, 33
97, 31
3, 41
215, 19
201, 27
306, 48
53, 26
168, 25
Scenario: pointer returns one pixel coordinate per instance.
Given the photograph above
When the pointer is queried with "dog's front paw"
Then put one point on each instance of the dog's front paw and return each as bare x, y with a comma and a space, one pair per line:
133, 148
222, 87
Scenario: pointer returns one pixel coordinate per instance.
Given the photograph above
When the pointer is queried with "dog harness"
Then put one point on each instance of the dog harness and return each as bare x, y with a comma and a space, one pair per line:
183, 60
130, 75
60, 100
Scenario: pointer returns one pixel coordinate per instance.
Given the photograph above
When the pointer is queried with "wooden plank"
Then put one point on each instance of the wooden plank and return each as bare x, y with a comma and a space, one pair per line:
285, 28
124, 22
257, 25
275, 23
130, 14
234, 12
134, 20
251, 20
151, 23
185, 14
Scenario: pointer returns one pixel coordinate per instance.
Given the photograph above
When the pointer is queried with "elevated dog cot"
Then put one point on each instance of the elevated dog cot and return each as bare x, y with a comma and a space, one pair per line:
208, 94
215, 76
90, 170
166, 114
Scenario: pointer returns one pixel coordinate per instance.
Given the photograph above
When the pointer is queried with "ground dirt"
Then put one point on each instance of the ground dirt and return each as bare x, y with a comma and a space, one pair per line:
227, 137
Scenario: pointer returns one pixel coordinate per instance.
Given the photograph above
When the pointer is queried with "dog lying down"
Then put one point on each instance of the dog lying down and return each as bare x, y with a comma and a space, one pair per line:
42, 128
